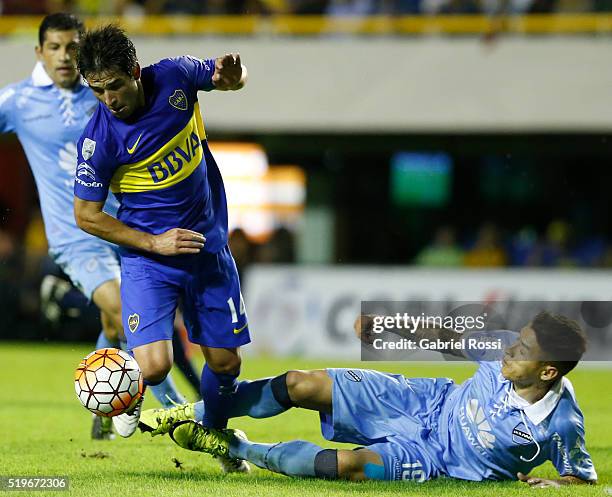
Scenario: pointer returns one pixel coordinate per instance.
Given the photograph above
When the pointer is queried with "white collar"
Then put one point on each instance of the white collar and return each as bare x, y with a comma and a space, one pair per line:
539, 411
40, 76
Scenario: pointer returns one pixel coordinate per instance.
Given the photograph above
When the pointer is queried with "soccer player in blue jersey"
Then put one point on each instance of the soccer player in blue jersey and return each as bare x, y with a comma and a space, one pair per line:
510, 417
48, 112
146, 143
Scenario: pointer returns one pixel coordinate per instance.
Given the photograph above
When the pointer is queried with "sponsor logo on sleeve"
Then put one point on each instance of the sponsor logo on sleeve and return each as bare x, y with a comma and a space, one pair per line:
85, 172
88, 148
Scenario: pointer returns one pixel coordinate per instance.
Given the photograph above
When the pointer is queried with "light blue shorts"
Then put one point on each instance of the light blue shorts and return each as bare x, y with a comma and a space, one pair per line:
88, 264
390, 415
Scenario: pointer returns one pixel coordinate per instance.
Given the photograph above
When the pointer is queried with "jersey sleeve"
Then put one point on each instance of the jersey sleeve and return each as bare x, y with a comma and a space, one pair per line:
199, 72
568, 451
6, 109
95, 167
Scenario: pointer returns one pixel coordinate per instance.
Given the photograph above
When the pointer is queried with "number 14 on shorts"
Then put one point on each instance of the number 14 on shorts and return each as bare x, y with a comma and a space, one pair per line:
232, 307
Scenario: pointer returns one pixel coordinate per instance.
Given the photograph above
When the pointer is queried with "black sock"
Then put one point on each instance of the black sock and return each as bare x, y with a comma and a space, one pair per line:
280, 392
326, 464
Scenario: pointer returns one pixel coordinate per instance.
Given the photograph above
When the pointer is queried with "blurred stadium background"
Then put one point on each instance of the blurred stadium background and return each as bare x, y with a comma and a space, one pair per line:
383, 149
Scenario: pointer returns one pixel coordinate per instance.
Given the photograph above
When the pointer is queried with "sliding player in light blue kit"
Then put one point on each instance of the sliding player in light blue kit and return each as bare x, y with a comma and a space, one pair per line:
48, 112
510, 417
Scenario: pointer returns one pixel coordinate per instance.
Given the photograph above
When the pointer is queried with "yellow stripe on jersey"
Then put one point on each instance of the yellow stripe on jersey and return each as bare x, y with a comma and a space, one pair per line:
171, 164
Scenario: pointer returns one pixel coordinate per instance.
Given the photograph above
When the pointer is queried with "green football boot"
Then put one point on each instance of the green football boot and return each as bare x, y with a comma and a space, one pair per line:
191, 435
160, 421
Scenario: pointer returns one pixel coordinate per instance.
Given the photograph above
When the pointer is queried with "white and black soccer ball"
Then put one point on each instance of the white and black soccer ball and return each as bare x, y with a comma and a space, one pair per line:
108, 382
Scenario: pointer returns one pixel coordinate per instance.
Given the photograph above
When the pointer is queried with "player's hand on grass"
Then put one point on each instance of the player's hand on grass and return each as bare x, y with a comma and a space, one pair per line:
363, 328
537, 482
228, 72
177, 241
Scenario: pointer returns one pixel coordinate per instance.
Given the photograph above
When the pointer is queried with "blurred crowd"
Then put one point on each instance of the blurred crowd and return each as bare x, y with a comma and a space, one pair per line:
299, 7
557, 246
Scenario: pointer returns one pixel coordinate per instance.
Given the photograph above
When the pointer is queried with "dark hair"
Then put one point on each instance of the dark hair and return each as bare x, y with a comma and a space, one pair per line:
106, 49
561, 339
59, 22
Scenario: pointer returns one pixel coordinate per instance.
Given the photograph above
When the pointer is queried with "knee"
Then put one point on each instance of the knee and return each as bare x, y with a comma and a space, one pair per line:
111, 333
155, 371
226, 365
360, 464
301, 385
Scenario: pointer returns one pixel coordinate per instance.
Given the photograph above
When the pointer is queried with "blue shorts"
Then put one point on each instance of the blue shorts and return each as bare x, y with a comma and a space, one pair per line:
390, 415
88, 263
209, 290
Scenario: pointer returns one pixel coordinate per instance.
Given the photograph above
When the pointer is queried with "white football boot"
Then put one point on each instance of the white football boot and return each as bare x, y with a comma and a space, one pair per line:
125, 424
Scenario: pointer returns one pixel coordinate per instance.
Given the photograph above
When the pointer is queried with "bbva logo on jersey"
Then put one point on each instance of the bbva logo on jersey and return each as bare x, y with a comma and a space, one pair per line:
173, 161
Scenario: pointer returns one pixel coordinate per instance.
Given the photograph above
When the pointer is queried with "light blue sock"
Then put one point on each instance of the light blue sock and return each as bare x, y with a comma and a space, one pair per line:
166, 393
199, 410
251, 398
105, 343
296, 458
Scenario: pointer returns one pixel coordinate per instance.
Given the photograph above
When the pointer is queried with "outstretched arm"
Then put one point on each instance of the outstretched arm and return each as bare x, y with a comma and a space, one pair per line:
364, 329
91, 218
229, 74
535, 482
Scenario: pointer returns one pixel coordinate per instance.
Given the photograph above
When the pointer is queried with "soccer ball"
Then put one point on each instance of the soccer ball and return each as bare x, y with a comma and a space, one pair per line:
108, 382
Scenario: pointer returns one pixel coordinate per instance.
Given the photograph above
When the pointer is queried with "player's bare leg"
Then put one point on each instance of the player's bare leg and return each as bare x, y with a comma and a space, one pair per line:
310, 389
107, 298
155, 361
359, 465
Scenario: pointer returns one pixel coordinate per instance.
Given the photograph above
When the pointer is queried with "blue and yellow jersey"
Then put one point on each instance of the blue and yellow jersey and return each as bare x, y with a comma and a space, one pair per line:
157, 163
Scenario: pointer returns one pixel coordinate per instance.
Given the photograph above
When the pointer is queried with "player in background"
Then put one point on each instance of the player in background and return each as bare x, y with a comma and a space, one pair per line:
510, 417
48, 112
147, 144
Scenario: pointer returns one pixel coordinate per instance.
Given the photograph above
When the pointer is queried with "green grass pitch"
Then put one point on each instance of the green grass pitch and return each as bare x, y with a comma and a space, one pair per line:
45, 432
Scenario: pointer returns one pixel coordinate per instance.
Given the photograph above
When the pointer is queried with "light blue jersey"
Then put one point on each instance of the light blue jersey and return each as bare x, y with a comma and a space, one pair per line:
424, 428
48, 122
488, 432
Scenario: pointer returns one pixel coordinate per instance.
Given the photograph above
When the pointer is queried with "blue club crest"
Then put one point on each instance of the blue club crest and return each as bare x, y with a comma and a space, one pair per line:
178, 100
